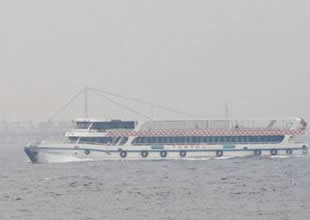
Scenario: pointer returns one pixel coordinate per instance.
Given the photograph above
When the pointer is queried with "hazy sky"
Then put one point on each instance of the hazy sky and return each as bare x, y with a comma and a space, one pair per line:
193, 55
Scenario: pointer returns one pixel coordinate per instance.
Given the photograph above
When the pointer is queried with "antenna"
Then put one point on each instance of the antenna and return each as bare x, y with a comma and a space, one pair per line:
226, 111
86, 102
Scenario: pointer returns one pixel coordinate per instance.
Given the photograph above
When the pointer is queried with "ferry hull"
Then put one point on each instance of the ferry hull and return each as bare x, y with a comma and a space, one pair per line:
50, 154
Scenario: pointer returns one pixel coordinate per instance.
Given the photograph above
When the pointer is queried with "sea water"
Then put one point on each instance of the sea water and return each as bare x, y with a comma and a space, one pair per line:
232, 188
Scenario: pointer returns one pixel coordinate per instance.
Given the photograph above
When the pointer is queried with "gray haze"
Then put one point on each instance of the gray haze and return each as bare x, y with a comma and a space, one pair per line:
194, 56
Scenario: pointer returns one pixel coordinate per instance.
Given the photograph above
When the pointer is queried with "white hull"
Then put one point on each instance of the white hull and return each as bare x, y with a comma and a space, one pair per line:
67, 153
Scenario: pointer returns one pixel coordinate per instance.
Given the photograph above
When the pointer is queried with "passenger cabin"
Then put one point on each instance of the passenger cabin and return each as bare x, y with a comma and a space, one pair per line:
185, 132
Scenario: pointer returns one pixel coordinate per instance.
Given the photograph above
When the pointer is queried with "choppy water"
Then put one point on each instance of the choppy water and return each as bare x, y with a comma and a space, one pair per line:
244, 188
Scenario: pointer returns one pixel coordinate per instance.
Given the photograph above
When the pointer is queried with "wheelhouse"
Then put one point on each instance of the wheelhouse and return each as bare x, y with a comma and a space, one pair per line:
104, 125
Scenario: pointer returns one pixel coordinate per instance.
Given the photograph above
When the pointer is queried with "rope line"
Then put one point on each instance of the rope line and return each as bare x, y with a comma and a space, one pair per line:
124, 106
63, 108
104, 93
140, 101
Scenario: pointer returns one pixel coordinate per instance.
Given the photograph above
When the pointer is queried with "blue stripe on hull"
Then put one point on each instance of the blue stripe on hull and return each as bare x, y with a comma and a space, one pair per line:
181, 150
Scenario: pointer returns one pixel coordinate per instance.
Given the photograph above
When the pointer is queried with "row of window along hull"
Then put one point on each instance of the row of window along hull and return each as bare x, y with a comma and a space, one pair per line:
211, 140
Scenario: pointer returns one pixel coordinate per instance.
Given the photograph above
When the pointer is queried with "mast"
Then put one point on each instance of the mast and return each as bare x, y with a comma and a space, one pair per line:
228, 116
86, 102
226, 111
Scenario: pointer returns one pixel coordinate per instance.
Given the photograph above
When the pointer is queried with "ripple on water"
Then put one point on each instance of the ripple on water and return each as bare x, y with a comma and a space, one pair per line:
254, 188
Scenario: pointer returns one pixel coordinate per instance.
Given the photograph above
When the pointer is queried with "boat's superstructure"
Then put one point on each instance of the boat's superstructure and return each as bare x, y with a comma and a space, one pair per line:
180, 139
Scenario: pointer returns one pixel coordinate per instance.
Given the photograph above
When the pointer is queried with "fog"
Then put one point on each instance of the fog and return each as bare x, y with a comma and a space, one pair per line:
195, 56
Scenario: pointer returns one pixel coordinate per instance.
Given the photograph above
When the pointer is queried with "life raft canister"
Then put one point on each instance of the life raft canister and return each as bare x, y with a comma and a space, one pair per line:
182, 153
144, 154
123, 154
163, 154
219, 153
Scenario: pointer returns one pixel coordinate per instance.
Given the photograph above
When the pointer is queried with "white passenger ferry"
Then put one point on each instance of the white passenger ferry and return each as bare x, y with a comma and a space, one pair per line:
179, 139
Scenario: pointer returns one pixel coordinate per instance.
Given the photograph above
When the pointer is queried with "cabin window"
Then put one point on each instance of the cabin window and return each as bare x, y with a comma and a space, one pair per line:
116, 124
195, 140
124, 140
82, 125
179, 140
99, 140
208, 139
170, 140
188, 140
73, 139
165, 140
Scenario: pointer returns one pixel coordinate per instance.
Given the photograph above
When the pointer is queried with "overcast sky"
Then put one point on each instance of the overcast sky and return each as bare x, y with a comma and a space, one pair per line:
192, 55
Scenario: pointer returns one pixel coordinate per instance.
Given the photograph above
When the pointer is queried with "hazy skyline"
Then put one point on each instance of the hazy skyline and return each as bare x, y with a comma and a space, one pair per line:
194, 56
